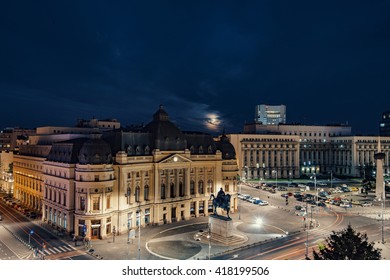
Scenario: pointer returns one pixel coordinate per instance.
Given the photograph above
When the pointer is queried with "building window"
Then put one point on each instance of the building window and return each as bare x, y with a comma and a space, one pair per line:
200, 187
210, 186
96, 203
146, 192
172, 190
128, 194
192, 187
137, 191
82, 203
108, 201
181, 189
96, 178
162, 191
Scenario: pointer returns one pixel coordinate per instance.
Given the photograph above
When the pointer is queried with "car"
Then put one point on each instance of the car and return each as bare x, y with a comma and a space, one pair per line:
366, 204
253, 199
298, 207
284, 195
33, 215
301, 212
321, 204
353, 189
356, 202
345, 205
296, 194
261, 202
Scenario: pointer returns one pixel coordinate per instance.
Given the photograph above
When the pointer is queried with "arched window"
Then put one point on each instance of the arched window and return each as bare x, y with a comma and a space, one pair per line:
200, 149
128, 193
210, 150
137, 193
163, 191
192, 187
147, 150
172, 190
200, 187
210, 186
146, 192
181, 189
192, 149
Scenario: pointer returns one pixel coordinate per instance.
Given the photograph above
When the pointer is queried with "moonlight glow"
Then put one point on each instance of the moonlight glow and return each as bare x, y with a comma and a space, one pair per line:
212, 121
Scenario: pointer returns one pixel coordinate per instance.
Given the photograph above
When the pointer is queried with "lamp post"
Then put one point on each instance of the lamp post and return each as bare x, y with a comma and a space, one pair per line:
382, 226
331, 179
139, 232
209, 238
113, 234
258, 171
239, 203
307, 235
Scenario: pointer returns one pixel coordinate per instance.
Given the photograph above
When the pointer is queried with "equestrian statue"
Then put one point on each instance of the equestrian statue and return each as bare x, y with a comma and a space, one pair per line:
222, 200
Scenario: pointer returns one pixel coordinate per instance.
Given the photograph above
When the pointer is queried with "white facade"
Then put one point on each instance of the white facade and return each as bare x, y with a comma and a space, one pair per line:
266, 156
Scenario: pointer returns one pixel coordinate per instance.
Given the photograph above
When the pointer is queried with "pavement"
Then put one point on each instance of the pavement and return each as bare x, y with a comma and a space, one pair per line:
182, 240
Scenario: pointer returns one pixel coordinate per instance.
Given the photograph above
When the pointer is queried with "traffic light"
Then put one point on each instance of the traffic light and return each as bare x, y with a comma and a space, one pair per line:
286, 200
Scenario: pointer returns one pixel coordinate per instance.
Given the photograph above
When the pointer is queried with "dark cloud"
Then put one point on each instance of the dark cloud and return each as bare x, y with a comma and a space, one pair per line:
328, 62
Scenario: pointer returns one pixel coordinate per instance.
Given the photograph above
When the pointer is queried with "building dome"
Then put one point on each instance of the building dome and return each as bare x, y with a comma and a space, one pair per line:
165, 134
95, 151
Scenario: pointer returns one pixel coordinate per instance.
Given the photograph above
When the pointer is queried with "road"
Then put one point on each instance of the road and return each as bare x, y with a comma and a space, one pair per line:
297, 245
18, 234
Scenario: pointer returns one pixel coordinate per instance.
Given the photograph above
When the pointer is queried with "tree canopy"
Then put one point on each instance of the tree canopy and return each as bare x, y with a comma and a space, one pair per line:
347, 244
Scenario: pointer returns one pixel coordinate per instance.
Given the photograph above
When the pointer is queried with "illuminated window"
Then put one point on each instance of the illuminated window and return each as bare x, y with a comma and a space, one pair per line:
96, 203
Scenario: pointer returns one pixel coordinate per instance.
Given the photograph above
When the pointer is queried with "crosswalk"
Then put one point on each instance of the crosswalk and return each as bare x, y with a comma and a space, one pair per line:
51, 251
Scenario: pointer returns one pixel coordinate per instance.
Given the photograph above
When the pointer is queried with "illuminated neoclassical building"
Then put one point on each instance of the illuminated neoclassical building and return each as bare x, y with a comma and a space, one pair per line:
98, 183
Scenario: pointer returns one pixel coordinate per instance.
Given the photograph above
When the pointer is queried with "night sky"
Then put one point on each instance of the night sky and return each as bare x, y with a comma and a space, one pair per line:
327, 61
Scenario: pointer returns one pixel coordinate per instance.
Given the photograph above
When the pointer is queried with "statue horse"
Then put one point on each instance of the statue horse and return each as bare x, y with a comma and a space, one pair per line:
222, 201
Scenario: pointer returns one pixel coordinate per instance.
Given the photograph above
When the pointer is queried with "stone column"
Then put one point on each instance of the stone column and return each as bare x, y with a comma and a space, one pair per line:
380, 184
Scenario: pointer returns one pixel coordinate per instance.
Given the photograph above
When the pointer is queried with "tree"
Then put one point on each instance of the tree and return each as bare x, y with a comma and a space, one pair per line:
347, 245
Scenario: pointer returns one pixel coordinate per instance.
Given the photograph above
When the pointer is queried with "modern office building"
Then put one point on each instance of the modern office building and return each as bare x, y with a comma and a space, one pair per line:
100, 183
384, 125
270, 114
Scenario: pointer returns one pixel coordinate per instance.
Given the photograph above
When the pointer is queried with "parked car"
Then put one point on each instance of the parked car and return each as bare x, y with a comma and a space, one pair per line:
301, 212
261, 202
366, 204
345, 205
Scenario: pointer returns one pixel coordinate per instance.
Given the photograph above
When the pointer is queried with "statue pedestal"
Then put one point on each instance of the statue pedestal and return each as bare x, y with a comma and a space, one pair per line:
221, 226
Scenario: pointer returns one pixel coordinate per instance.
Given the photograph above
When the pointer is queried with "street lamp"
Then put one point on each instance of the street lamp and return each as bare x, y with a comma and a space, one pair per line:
209, 238
331, 179
258, 171
139, 232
